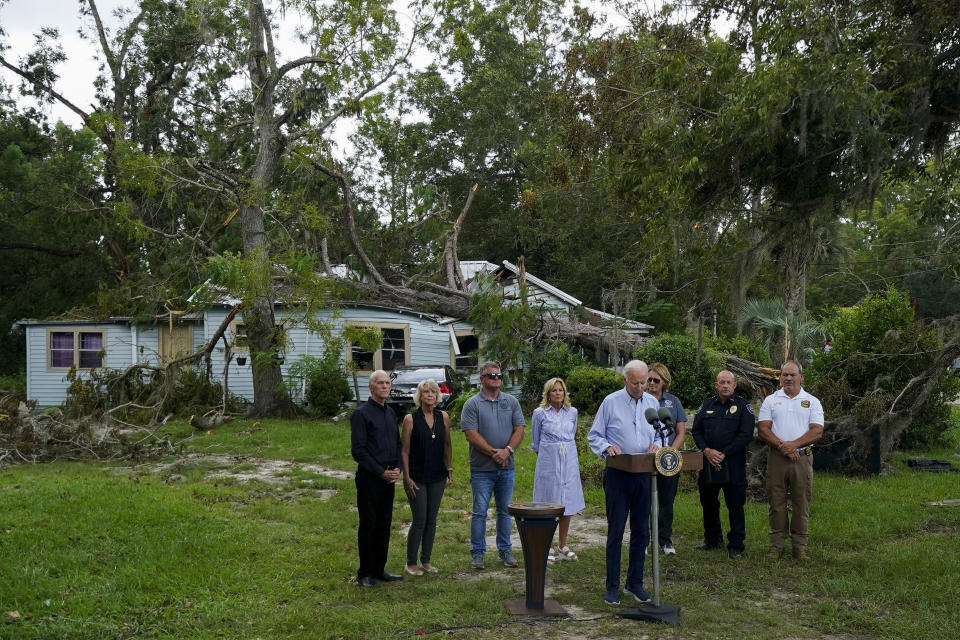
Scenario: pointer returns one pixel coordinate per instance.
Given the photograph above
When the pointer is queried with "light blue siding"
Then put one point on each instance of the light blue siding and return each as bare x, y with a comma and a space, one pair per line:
48, 387
148, 345
429, 344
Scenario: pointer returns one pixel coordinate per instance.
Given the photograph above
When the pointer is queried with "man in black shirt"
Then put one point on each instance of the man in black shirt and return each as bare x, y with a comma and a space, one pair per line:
722, 430
375, 445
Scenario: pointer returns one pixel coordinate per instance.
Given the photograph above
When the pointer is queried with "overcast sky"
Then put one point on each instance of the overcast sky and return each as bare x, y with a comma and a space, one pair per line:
21, 19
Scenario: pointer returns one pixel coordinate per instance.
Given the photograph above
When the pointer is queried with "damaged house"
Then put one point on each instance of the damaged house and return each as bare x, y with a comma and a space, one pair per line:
410, 337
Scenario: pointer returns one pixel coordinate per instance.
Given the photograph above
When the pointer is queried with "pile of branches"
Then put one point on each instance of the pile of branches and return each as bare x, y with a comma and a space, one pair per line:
46, 437
144, 395
860, 439
754, 381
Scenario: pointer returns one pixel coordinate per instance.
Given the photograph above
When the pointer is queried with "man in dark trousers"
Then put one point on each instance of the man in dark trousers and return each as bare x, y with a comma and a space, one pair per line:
375, 445
722, 430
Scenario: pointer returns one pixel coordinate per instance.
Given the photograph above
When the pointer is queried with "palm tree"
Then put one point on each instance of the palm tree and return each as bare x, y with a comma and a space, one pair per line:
787, 336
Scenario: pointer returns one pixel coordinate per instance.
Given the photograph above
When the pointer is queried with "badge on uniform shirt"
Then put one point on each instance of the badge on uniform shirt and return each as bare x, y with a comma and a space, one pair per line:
805, 404
733, 409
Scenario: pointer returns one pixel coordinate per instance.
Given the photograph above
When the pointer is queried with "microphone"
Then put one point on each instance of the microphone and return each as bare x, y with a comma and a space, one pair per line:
653, 417
664, 416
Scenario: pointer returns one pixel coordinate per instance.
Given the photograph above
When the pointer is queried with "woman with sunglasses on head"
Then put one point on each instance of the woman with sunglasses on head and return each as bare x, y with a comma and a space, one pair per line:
557, 475
426, 454
658, 381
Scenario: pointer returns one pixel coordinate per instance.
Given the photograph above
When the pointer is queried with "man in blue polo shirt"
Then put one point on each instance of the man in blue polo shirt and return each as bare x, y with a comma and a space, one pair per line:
493, 424
620, 428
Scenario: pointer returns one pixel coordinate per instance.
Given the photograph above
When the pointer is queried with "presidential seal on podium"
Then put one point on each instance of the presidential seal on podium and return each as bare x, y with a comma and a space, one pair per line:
668, 461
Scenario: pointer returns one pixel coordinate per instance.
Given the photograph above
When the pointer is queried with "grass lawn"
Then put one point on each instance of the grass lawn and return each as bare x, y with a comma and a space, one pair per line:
172, 550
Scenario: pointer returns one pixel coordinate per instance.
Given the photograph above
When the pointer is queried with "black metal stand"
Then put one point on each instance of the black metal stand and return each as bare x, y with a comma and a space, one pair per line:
654, 611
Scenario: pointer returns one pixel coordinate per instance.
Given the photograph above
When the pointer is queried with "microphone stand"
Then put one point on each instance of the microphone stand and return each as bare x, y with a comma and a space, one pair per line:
653, 611
655, 518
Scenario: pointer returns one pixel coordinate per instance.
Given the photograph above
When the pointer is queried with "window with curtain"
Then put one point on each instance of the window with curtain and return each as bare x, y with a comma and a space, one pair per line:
75, 348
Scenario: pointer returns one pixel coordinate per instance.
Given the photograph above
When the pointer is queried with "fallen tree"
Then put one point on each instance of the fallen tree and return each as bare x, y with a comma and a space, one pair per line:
863, 427
145, 394
27, 438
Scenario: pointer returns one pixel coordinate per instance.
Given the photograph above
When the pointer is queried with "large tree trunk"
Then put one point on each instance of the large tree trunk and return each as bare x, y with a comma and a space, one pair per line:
745, 266
269, 396
795, 257
451, 258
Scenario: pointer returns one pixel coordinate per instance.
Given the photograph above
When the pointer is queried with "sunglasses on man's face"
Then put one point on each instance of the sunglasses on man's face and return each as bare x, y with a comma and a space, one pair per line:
496, 376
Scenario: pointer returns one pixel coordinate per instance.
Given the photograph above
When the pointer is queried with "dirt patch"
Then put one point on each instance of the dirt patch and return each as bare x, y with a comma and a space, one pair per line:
587, 531
274, 472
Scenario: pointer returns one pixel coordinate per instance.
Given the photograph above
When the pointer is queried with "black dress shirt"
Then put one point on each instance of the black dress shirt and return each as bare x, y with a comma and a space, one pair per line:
375, 437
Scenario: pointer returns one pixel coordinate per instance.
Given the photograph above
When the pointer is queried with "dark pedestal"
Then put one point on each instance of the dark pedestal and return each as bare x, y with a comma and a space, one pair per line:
664, 613
536, 522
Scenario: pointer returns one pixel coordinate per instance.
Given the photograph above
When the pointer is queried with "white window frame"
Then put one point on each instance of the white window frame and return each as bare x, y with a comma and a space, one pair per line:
453, 354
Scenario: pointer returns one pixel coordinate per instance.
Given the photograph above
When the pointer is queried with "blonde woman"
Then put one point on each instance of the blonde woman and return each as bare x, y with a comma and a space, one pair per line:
557, 476
426, 455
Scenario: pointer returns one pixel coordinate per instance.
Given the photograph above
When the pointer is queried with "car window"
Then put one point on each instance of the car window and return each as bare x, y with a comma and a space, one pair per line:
416, 375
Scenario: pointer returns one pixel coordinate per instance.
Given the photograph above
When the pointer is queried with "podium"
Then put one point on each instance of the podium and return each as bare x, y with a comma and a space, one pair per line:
667, 461
536, 523
692, 460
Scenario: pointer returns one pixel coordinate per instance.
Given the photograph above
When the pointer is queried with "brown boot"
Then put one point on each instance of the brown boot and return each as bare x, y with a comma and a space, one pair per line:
800, 553
774, 553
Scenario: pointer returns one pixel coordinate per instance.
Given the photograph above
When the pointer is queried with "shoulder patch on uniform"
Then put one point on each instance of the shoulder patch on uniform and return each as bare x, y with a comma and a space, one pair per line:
805, 404
749, 407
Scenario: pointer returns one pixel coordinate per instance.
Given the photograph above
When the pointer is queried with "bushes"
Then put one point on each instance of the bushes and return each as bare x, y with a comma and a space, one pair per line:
741, 347
589, 385
555, 362
878, 347
679, 352
591, 465
327, 387
457, 406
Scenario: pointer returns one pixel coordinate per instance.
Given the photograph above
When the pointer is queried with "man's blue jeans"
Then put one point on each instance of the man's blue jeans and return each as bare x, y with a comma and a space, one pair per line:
498, 483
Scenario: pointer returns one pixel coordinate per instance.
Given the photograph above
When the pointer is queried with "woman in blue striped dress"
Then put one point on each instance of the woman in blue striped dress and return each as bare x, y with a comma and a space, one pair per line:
557, 476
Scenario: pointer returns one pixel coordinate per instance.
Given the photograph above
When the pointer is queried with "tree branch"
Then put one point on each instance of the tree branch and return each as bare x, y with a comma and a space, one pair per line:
349, 209
50, 90
299, 62
204, 168
455, 278
53, 251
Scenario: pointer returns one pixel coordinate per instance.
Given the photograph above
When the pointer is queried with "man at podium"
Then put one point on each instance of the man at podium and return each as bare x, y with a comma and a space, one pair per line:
620, 428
